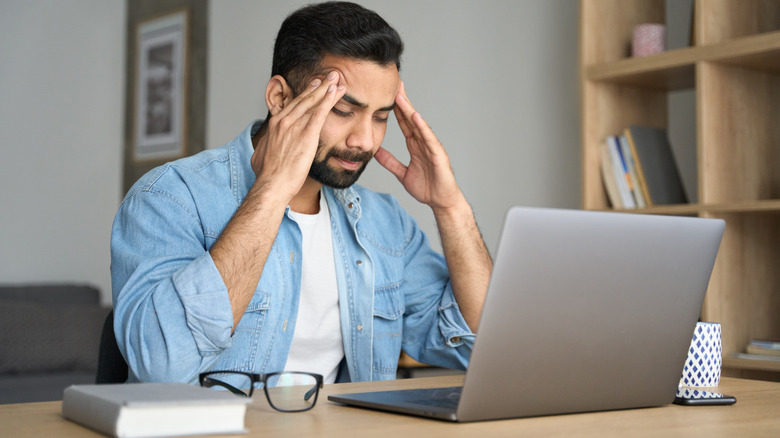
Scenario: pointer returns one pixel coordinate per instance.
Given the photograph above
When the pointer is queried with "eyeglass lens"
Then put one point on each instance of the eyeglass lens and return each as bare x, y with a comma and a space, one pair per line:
291, 391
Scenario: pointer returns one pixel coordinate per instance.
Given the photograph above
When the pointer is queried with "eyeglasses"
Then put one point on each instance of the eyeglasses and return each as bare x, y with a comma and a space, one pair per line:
285, 391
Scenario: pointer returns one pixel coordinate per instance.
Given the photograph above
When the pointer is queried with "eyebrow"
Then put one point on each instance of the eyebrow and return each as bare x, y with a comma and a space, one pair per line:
352, 101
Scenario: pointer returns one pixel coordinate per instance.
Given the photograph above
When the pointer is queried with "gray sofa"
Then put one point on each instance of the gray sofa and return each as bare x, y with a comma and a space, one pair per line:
49, 339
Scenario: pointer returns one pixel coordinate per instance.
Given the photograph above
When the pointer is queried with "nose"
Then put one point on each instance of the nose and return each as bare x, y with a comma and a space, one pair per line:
361, 135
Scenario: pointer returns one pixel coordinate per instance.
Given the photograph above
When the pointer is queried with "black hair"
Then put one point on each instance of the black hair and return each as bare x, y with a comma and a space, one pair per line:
332, 28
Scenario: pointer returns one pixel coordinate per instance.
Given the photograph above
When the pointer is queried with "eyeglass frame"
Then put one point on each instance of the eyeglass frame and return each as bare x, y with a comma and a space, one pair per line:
263, 378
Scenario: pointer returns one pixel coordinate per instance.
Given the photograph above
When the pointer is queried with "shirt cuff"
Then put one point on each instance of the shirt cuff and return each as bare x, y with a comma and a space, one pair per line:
206, 305
452, 325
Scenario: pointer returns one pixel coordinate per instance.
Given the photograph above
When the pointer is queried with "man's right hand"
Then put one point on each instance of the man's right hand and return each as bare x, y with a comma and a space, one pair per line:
283, 158
281, 161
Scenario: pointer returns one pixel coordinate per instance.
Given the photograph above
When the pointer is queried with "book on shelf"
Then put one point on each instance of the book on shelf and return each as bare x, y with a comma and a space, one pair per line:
766, 343
154, 409
753, 349
620, 173
764, 347
750, 356
633, 175
608, 177
656, 168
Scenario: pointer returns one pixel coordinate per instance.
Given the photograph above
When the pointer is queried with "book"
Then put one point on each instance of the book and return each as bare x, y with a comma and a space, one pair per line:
154, 409
765, 347
755, 349
630, 163
638, 169
766, 343
608, 177
756, 357
656, 167
620, 173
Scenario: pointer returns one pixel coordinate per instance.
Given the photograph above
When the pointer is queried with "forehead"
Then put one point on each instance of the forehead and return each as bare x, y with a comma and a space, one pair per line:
366, 81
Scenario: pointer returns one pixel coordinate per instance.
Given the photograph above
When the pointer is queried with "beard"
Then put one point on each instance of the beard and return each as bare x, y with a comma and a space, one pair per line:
321, 172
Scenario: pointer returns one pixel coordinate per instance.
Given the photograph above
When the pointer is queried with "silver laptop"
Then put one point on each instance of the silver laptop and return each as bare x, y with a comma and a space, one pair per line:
586, 311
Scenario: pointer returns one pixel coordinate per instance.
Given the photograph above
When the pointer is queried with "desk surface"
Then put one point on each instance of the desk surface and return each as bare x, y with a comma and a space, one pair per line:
755, 414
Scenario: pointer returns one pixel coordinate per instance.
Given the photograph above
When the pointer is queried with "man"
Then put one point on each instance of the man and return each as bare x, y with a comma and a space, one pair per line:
262, 255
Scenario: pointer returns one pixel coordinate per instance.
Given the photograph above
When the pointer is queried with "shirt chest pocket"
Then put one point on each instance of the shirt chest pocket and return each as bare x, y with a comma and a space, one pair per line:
388, 330
255, 315
388, 313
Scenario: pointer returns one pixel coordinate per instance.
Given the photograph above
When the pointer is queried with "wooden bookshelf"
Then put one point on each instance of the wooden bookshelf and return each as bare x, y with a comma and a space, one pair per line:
734, 68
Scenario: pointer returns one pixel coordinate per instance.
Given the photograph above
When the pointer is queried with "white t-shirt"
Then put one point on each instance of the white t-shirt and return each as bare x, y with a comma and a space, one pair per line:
317, 343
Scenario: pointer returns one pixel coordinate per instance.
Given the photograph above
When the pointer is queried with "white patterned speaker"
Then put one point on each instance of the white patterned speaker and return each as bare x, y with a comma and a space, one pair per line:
702, 368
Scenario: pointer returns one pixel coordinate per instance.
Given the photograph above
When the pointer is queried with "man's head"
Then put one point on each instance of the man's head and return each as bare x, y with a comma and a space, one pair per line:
365, 51
332, 28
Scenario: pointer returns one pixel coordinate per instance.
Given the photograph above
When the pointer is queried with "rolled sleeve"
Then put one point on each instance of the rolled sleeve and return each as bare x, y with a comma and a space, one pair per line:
172, 314
206, 304
435, 331
453, 327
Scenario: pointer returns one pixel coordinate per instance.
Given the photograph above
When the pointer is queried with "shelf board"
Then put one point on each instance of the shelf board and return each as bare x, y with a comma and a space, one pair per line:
763, 206
759, 52
676, 69
671, 70
675, 209
751, 364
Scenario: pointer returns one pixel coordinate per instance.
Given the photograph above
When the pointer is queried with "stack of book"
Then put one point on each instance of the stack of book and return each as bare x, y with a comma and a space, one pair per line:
639, 170
761, 349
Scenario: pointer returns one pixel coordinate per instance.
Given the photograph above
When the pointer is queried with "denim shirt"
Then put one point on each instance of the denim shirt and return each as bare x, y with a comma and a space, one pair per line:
173, 319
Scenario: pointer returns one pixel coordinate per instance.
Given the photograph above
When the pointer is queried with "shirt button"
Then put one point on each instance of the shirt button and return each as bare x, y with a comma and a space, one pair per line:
359, 262
360, 327
350, 205
455, 340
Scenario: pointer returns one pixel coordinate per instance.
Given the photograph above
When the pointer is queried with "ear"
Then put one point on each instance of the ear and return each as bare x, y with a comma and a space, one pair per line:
277, 94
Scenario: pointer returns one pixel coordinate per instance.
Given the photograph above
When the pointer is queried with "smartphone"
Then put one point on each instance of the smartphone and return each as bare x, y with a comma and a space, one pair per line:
697, 397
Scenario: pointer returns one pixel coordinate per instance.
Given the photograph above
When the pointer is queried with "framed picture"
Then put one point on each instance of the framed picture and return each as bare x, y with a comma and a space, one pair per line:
165, 84
160, 118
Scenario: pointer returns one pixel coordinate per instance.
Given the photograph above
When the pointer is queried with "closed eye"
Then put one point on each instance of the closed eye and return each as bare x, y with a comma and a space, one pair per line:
341, 113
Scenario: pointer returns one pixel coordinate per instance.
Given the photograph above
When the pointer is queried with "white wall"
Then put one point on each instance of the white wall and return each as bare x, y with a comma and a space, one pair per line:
497, 81
61, 91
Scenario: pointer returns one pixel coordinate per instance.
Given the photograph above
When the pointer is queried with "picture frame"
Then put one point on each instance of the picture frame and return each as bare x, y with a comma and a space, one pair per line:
166, 84
160, 118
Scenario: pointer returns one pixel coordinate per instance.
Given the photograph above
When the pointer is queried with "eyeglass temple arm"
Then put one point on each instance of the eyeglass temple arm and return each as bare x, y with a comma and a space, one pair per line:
227, 386
311, 392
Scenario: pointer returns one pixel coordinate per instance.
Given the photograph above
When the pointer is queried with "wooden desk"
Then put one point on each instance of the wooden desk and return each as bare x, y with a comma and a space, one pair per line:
755, 414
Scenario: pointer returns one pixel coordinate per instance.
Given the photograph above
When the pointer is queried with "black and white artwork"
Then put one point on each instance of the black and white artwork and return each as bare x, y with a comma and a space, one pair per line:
160, 85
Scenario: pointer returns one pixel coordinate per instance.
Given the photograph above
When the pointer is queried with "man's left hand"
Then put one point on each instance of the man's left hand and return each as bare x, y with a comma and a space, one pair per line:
428, 177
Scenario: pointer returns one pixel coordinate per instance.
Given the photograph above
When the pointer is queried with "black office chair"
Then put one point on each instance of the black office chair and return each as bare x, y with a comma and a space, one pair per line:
112, 367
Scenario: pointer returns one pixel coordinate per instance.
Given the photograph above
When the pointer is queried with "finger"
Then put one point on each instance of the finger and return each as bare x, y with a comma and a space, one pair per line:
403, 104
315, 93
411, 126
403, 123
288, 107
320, 112
416, 130
389, 162
403, 111
422, 130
